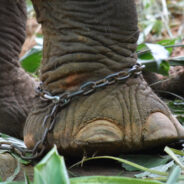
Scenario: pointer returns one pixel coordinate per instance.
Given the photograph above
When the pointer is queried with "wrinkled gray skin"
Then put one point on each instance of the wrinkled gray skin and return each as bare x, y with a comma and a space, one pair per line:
86, 40
16, 87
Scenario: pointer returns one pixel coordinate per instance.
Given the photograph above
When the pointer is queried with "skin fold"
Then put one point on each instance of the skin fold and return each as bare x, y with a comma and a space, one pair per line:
74, 51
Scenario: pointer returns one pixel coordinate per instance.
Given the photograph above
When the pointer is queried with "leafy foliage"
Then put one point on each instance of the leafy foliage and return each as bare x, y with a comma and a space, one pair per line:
53, 164
32, 59
156, 19
52, 169
156, 56
177, 108
148, 161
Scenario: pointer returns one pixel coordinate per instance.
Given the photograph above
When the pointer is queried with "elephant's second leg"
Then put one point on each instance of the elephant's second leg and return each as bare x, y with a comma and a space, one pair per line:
16, 87
167, 85
84, 41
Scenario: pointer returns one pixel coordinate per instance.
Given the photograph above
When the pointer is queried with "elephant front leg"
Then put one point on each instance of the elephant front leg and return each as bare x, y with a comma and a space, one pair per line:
86, 41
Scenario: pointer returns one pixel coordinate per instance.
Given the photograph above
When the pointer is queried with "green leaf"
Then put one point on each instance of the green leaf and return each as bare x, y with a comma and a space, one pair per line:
168, 42
177, 106
157, 28
141, 47
139, 167
7, 138
31, 60
146, 56
110, 180
159, 53
174, 175
28, 3
155, 58
161, 168
152, 66
14, 182
26, 179
180, 119
174, 156
51, 169
148, 161
164, 68
144, 53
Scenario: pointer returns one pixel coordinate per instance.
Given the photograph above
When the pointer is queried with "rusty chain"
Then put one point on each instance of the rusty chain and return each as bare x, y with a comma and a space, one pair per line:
58, 103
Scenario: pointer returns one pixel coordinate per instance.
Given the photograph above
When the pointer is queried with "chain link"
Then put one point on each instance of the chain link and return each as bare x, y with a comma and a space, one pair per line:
59, 102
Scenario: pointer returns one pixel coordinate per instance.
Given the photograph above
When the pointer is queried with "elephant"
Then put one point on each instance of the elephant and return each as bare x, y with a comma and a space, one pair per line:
84, 41
17, 87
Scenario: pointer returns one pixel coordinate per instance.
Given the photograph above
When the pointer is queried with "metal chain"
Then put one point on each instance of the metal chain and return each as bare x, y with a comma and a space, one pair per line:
59, 102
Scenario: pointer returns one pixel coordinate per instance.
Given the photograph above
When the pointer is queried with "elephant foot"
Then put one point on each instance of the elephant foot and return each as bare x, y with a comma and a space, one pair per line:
120, 118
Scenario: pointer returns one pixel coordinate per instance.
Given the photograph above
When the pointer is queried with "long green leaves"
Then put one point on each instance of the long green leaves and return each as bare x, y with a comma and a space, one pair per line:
175, 158
51, 170
111, 180
139, 167
157, 57
149, 161
173, 178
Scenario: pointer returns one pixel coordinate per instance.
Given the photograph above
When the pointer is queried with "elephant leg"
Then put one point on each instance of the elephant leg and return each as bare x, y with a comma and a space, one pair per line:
16, 87
166, 85
86, 41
